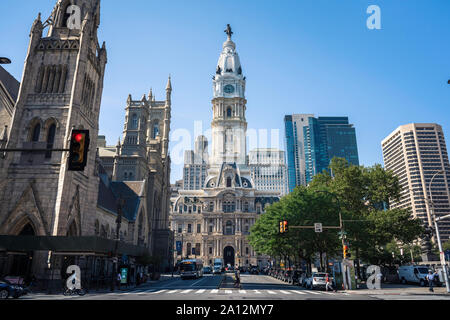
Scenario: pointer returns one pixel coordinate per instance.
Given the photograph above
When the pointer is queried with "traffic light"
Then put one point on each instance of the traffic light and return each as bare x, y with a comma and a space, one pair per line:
79, 147
283, 226
346, 252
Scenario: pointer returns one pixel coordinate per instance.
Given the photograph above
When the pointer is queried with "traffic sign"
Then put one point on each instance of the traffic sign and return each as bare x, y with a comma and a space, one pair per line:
318, 227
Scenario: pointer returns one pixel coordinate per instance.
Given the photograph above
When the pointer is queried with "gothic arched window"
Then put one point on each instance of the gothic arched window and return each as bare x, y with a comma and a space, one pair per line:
134, 121
155, 131
36, 133
50, 140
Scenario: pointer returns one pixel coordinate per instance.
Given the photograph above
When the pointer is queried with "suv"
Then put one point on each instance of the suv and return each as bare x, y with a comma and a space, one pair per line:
317, 280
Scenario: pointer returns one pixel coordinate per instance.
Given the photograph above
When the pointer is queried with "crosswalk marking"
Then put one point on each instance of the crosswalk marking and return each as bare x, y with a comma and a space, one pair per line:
172, 291
256, 291
311, 292
201, 291
186, 291
271, 292
297, 291
285, 292
159, 291
214, 291
228, 291
243, 291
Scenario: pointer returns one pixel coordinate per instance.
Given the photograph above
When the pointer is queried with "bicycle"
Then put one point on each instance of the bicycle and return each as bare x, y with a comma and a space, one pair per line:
71, 292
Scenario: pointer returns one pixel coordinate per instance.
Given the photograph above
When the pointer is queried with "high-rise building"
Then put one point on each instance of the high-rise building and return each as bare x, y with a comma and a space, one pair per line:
326, 138
414, 153
294, 125
196, 165
268, 170
312, 142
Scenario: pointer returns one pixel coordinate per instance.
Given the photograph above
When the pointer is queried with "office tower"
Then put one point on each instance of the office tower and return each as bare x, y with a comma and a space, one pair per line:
268, 170
196, 165
415, 153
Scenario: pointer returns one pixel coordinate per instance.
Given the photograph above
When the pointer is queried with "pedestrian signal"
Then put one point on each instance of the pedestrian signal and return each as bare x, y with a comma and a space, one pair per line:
79, 147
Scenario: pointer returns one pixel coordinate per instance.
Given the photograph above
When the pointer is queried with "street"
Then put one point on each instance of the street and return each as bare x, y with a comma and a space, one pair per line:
254, 287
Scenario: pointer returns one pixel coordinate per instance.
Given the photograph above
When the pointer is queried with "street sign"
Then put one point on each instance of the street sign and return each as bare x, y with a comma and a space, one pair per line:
318, 227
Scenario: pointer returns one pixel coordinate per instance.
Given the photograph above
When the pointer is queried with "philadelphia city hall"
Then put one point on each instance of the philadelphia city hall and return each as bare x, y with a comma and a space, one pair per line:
215, 221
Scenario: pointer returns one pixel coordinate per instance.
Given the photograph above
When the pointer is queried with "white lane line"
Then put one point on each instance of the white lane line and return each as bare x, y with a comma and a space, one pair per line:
311, 292
243, 291
228, 291
156, 292
257, 291
285, 292
270, 292
215, 291
186, 291
201, 291
297, 291
197, 282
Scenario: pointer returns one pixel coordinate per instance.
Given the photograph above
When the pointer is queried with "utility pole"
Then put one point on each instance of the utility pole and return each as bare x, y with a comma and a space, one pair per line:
438, 236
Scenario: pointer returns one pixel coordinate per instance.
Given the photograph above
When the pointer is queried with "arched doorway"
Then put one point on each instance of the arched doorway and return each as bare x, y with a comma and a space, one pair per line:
21, 264
228, 256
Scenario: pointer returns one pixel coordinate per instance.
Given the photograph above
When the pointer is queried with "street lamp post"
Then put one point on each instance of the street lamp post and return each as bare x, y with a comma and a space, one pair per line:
438, 236
120, 204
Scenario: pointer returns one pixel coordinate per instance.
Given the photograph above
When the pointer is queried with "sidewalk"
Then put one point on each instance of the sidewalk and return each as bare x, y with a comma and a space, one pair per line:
149, 283
389, 289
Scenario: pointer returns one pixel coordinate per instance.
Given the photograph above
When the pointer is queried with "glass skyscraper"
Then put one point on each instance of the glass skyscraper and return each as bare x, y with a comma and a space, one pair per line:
310, 151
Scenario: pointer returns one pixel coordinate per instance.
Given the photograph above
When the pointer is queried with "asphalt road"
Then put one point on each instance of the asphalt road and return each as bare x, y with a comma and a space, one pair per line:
254, 287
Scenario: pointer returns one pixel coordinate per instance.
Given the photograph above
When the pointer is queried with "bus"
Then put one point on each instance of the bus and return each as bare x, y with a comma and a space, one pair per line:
192, 268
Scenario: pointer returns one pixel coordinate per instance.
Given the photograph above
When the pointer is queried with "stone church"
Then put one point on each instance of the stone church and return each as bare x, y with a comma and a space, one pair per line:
215, 221
51, 217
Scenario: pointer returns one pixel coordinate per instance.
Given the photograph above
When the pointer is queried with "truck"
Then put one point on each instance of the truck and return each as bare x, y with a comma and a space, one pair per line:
413, 274
218, 266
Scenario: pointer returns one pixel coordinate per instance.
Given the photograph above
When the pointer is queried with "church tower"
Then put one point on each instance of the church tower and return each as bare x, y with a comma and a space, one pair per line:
61, 90
229, 125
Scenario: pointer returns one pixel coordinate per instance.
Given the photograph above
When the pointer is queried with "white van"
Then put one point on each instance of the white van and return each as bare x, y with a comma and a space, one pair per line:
413, 274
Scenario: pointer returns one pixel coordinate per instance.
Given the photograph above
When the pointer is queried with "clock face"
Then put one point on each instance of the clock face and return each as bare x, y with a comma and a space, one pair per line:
228, 88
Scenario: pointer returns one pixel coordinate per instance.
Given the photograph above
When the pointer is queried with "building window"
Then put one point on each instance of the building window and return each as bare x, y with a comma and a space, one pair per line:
180, 228
229, 112
210, 250
211, 206
50, 140
210, 229
246, 250
229, 228
36, 132
134, 122
188, 249
189, 228
199, 228
228, 182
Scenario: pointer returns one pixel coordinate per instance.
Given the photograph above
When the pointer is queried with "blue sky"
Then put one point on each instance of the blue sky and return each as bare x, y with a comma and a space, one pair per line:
299, 56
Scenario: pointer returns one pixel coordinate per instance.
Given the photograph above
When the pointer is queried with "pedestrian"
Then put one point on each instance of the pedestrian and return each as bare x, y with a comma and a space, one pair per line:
328, 283
430, 278
237, 281
119, 280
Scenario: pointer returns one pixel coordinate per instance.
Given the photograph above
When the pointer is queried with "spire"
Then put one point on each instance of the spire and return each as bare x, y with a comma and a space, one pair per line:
150, 95
169, 85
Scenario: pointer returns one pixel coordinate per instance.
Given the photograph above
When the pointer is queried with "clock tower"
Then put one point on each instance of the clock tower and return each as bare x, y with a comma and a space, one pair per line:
229, 125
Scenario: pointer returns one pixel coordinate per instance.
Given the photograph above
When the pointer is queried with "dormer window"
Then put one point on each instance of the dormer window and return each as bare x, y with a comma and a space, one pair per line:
228, 182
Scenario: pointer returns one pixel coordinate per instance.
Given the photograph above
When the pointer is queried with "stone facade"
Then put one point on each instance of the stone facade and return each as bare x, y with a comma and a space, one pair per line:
215, 221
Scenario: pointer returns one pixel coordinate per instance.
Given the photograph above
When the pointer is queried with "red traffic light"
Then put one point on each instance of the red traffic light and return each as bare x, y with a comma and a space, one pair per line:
78, 137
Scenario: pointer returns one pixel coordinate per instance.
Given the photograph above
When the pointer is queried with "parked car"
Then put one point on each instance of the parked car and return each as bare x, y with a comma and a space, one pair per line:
294, 277
286, 275
413, 274
8, 289
316, 281
254, 271
207, 270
